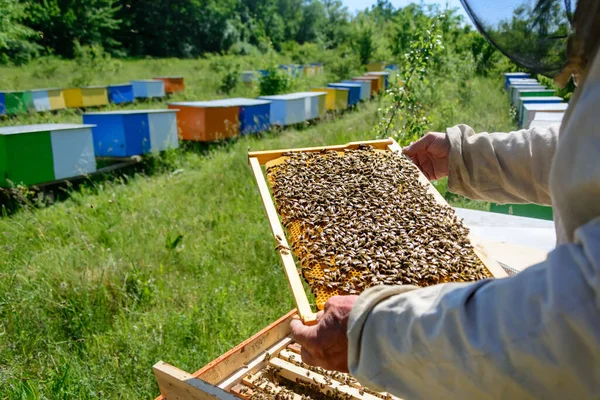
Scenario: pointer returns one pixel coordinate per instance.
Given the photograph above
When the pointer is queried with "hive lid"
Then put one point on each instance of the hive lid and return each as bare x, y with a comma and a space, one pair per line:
124, 112
548, 116
44, 89
206, 103
94, 87
546, 107
533, 99
14, 91
378, 73
243, 101
515, 74
168, 77
288, 96
544, 124
146, 80
14, 130
369, 77
345, 84
119, 84
528, 89
312, 94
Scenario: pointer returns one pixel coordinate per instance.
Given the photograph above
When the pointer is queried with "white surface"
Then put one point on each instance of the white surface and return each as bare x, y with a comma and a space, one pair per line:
542, 124
41, 102
289, 96
73, 152
163, 132
549, 116
15, 130
529, 232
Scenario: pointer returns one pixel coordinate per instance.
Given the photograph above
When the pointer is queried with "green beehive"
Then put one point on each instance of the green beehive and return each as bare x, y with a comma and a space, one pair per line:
33, 154
18, 102
524, 210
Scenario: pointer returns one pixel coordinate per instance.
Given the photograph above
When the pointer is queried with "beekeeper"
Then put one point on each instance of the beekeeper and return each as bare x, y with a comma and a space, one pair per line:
535, 335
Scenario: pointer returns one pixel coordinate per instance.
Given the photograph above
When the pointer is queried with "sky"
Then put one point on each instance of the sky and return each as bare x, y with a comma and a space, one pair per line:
359, 5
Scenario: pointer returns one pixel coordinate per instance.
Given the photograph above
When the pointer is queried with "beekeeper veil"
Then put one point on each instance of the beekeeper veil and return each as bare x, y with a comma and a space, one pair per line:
555, 38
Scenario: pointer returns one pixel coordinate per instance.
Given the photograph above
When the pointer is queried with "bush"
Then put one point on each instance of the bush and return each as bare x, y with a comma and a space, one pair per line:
275, 81
93, 63
228, 70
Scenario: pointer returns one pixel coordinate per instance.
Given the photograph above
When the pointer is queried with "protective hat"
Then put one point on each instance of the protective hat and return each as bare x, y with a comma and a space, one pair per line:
532, 33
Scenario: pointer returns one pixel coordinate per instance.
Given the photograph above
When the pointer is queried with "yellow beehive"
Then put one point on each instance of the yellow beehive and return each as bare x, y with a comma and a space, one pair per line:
73, 97
376, 67
336, 99
309, 70
56, 98
94, 96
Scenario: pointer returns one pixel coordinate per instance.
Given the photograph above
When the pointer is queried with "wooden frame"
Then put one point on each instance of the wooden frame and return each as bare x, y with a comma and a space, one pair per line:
236, 373
258, 158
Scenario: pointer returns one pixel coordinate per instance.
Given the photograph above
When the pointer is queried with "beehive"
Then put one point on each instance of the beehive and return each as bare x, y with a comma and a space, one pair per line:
510, 75
354, 90
530, 110
73, 97
545, 119
207, 121
254, 114
34, 154
93, 96
513, 94
57, 99
519, 92
315, 104
266, 366
309, 70
248, 77
133, 132
148, 88
365, 90
336, 98
17, 102
375, 66
287, 109
384, 76
120, 93
345, 231
375, 83
41, 101
173, 84
536, 100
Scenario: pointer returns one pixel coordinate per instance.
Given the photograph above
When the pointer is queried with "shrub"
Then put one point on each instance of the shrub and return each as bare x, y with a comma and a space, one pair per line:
275, 81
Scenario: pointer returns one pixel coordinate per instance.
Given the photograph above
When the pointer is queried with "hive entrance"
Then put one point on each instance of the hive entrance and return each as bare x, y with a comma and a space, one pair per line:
360, 218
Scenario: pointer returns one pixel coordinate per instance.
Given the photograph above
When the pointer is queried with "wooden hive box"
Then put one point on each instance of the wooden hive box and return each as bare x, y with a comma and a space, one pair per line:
270, 362
375, 82
248, 77
536, 100
17, 102
510, 75
94, 96
384, 78
309, 70
120, 93
375, 66
57, 99
365, 90
532, 93
315, 104
41, 101
354, 90
512, 90
254, 114
336, 98
133, 132
173, 84
34, 154
73, 97
260, 158
287, 109
530, 110
148, 88
545, 119
207, 121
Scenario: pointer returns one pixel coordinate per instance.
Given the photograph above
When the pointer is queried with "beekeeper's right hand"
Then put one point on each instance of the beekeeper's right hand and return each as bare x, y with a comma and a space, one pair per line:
430, 154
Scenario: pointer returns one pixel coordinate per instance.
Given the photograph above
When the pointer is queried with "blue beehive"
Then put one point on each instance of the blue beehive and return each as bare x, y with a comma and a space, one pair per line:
365, 90
510, 75
287, 109
386, 76
133, 132
254, 114
148, 88
120, 93
536, 100
354, 90
2, 104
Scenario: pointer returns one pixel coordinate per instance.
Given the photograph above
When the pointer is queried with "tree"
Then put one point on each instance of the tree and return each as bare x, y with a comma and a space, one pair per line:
15, 38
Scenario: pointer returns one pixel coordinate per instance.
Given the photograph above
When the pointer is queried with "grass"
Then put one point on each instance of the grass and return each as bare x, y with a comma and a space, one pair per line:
176, 264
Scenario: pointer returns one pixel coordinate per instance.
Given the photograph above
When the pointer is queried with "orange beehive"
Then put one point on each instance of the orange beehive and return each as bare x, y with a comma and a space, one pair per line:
173, 84
375, 82
207, 121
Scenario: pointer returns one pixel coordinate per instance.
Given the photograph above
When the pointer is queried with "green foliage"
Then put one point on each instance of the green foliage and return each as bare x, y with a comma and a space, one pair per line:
229, 70
364, 41
275, 81
92, 62
15, 44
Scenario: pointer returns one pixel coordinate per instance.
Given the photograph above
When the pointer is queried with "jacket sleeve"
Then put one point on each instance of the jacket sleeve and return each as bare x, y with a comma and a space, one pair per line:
502, 167
535, 335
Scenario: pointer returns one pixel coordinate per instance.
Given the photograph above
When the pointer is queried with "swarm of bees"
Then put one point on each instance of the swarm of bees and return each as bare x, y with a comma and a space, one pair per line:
361, 218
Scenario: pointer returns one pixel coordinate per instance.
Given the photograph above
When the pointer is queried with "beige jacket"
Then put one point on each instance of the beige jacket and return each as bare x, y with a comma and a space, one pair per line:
535, 335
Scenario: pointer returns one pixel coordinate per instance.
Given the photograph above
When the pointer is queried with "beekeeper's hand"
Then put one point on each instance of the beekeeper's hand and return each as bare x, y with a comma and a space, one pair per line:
430, 154
325, 344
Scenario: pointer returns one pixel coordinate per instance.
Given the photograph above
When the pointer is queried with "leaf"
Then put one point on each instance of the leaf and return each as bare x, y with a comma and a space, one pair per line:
173, 245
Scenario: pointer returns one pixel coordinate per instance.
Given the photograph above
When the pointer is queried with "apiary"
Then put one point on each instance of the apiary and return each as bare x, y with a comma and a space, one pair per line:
34, 154
375, 83
120, 93
536, 100
314, 104
173, 84
354, 90
365, 89
127, 133
510, 75
267, 366
207, 121
520, 92
513, 94
530, 111
361, 215
383, 75
255, 114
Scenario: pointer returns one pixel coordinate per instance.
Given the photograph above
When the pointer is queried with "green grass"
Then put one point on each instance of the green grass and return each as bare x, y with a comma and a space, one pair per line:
175, 265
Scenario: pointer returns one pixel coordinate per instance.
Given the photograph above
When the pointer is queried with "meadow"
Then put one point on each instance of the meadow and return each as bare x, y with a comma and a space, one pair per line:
170, 262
